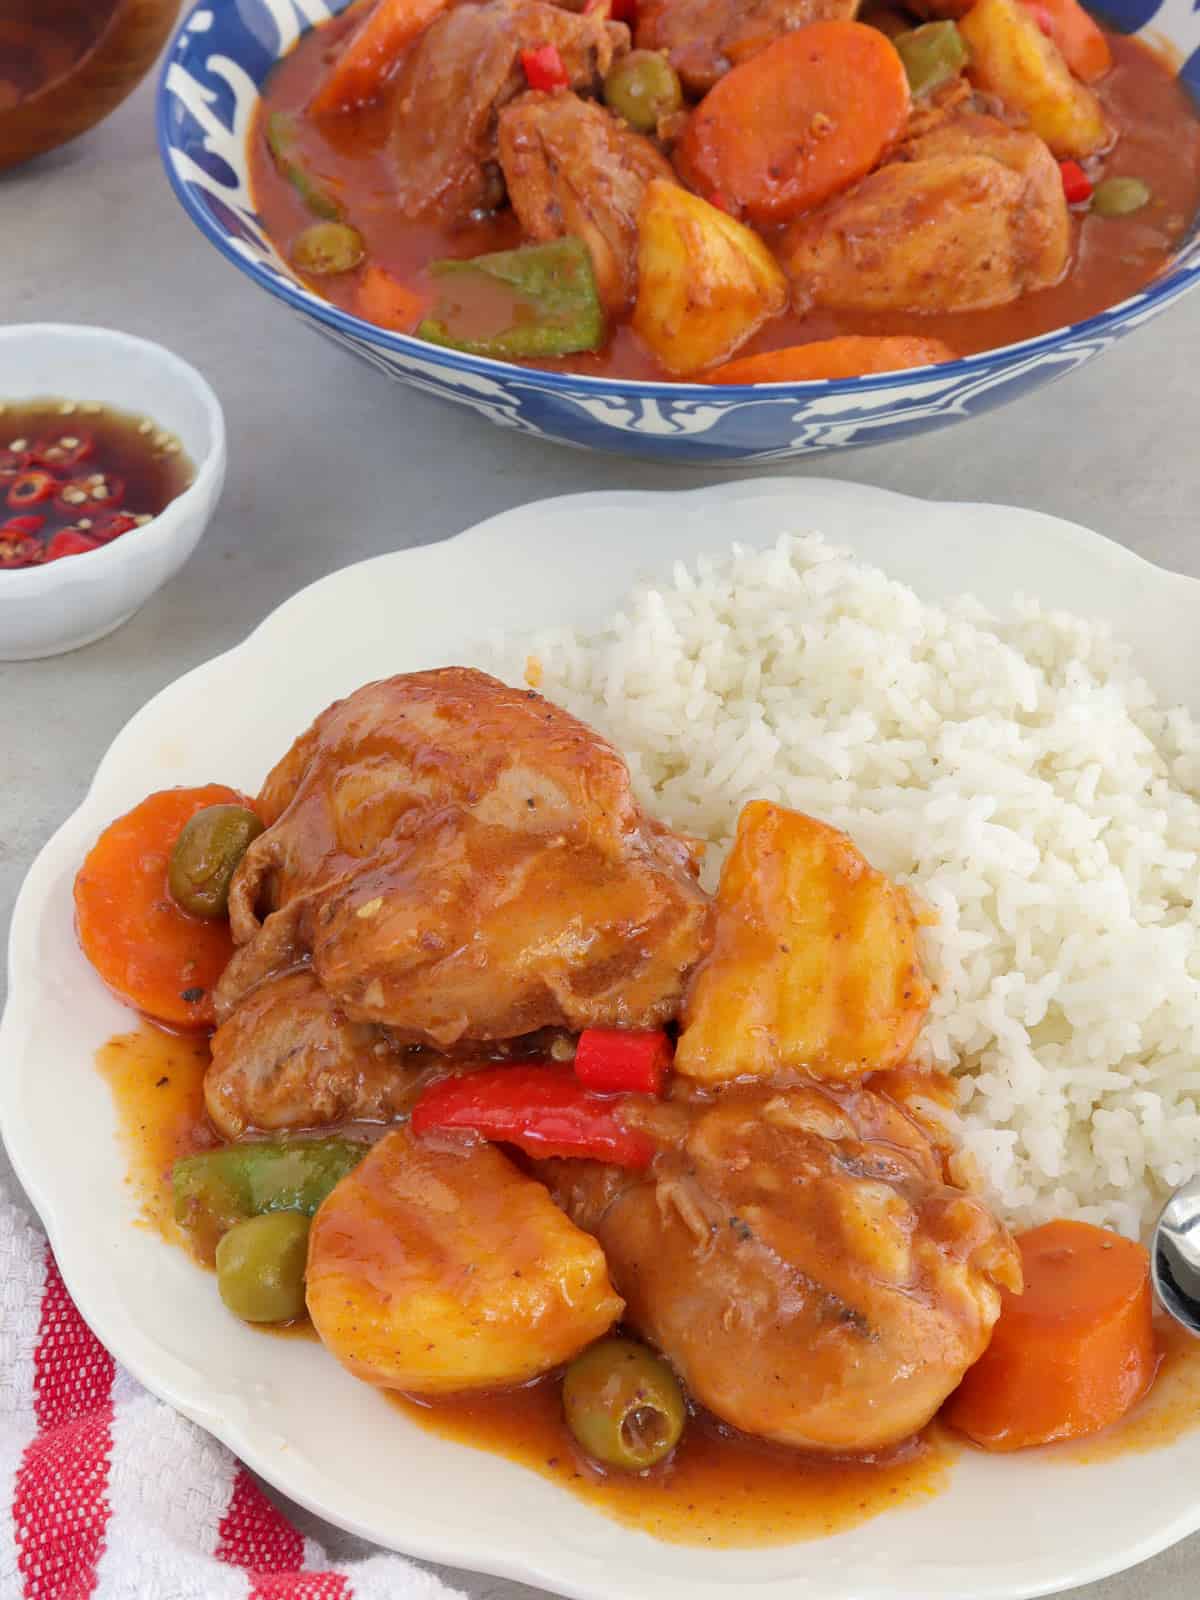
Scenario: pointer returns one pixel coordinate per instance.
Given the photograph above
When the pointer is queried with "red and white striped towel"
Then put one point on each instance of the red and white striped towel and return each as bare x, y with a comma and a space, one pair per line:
110, 1494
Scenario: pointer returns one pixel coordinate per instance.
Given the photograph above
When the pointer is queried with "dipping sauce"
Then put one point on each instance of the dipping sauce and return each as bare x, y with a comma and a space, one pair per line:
75, 475
41, 40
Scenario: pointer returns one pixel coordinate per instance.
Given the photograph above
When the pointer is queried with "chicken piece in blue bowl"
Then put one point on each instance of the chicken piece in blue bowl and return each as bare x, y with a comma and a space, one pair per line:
699, 230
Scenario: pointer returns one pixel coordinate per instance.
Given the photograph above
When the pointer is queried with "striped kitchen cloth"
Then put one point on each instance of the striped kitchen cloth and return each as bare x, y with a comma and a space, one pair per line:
110, 1494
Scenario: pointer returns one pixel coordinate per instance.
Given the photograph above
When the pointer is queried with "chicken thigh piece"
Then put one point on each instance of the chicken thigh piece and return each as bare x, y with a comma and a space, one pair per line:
459, 860
969, 215
704, 38
289, 1058
573, 168
802, 1260
464, 68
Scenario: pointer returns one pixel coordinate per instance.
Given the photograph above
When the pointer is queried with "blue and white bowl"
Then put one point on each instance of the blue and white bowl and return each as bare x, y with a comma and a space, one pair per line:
219, 61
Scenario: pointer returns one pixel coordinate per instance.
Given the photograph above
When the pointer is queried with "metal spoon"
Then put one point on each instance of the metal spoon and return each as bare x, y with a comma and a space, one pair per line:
1175, 1256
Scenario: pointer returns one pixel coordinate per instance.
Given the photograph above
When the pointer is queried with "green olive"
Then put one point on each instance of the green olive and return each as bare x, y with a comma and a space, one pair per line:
260, 1267
643, 87
1117, 197
206, 856
326, 248
623, 1404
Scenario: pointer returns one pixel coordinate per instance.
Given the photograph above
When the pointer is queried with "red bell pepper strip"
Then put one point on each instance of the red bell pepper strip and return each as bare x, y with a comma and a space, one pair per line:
1076, 184
70, 542
543, 1110
544, 68
30, 488
616, 1060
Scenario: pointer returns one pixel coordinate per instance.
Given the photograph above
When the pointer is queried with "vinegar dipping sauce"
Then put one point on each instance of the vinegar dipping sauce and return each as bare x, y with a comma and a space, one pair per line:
75, 475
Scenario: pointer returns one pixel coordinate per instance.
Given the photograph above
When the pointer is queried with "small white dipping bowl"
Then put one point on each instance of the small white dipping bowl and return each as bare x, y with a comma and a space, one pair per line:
68, 603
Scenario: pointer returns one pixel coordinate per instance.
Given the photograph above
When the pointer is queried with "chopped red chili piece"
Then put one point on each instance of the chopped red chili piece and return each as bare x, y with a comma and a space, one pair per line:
1076, 184
544, 68
70, 542
30, 488
63, 452
624, 11
105, 526
543, 1110
13, 460
19, 550
97, 491
612, 1060
18, 527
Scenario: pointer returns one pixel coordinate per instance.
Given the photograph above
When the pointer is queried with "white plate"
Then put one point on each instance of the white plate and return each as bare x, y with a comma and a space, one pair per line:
1004, 1528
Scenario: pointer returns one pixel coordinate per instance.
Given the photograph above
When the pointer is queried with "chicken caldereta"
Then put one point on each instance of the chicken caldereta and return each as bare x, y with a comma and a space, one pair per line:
737, 191
499, 1092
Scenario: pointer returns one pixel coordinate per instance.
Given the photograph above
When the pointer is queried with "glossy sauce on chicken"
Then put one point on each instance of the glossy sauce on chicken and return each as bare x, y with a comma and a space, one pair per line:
1111, 257
721, 1488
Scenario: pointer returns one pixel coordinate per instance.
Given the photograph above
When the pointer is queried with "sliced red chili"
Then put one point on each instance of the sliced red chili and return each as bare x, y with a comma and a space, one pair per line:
1077, 186
30, 488
105, 526
543, 1110
544, 68
63, 451
623, 1060
70, 542
13, 460
96, 491
19, 527
21, 550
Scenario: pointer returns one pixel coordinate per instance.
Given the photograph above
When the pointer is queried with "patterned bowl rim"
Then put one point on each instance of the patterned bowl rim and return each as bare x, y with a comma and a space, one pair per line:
1173, 281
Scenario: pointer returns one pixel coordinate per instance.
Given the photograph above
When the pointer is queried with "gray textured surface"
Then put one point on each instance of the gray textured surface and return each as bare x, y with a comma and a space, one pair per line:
330, 464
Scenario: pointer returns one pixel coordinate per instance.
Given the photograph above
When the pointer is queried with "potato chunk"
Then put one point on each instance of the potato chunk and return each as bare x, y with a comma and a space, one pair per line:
705, 282
814, 964
435, 1270
1011, 57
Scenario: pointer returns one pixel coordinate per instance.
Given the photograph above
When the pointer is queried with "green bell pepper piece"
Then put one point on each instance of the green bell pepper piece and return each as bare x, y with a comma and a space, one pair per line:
219, 1188
932, 55
281, 142
552, 307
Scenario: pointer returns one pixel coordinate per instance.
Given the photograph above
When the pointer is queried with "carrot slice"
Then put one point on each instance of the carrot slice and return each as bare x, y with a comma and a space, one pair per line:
1081, 41
388, 303
150, 953
807, 116
1073, 1352
847, 357
363, 67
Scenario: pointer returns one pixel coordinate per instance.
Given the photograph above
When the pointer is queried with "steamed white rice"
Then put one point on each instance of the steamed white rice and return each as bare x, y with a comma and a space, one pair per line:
1016, 772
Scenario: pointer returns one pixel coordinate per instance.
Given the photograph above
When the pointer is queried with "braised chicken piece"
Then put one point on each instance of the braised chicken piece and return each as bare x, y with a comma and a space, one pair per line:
573, 168
442, 1270
969, 215
288, 1057
814, 962
464, 69
704, 38
464, 861
802, 1259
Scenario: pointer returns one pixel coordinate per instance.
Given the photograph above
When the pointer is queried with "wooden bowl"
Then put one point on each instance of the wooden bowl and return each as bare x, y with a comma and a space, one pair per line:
91, 54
